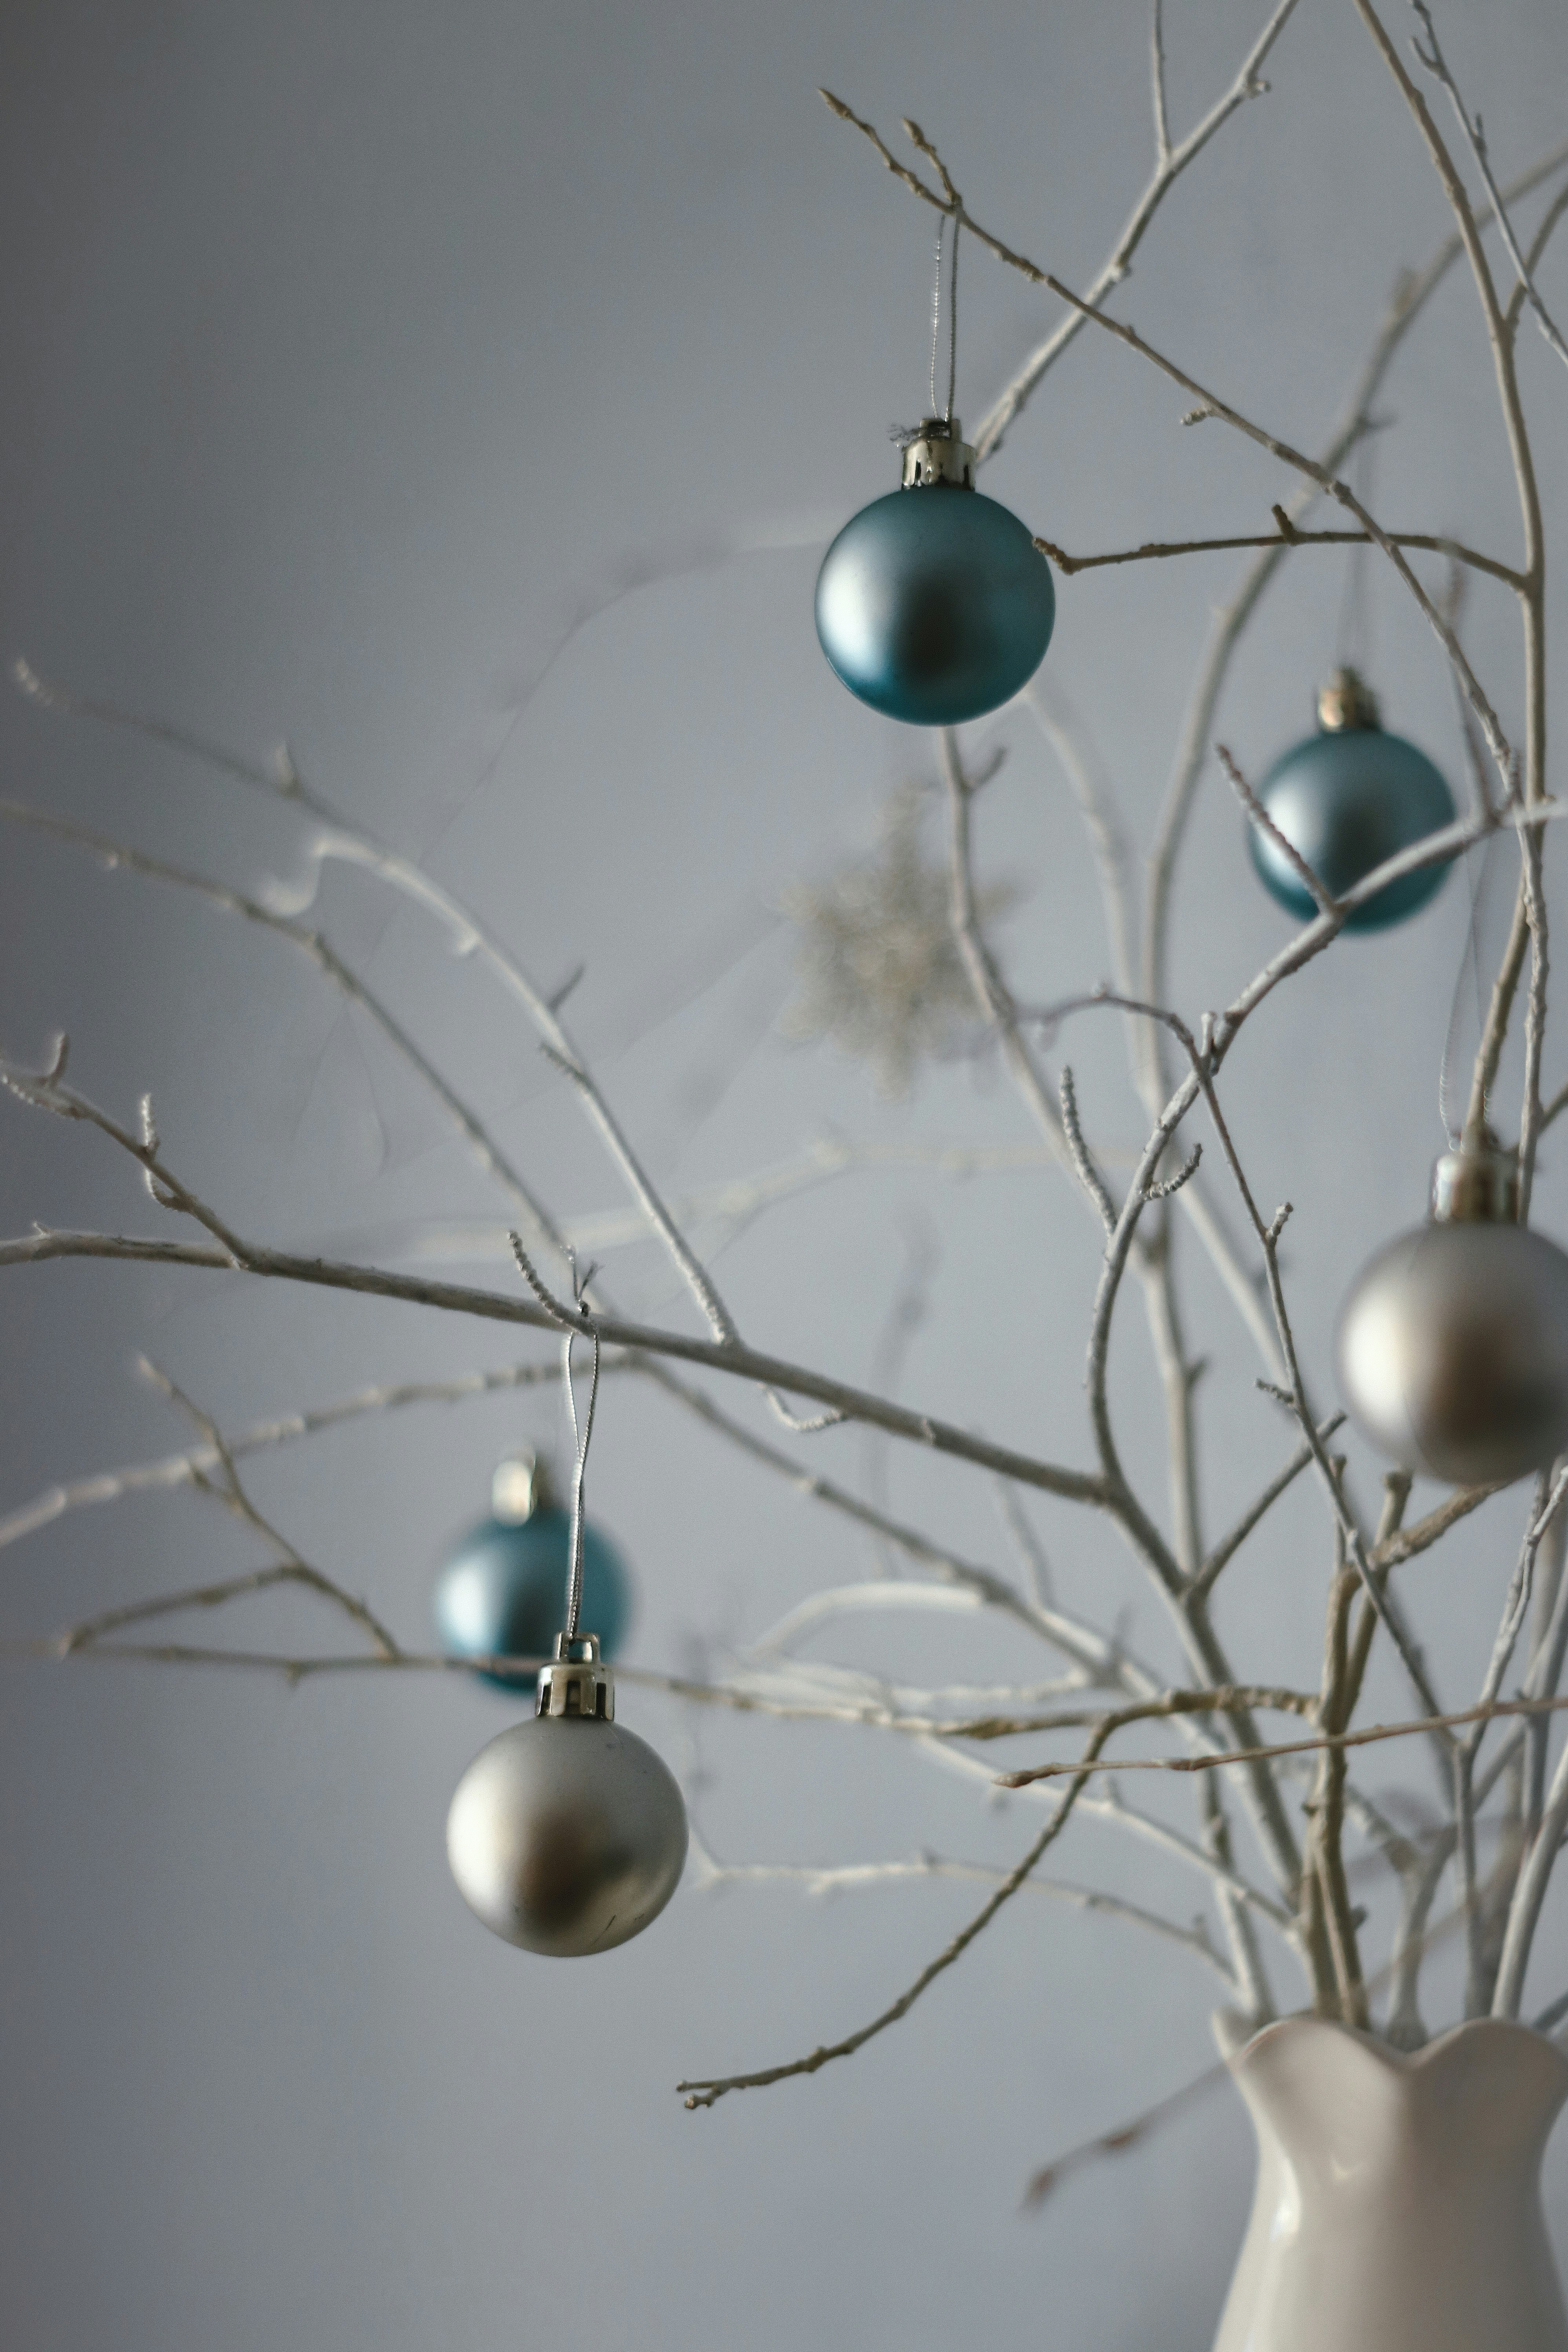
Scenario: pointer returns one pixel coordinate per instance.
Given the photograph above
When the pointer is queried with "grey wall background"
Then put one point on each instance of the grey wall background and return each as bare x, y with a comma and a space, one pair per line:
350, 349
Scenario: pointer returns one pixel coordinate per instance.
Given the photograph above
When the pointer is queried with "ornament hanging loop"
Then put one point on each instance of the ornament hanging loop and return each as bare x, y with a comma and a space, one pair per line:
945, 412
1354, 632
934, 450
583, 1436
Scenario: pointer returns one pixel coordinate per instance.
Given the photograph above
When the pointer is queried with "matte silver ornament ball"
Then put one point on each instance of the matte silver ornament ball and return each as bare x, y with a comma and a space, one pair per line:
1453, 1344
567, 1834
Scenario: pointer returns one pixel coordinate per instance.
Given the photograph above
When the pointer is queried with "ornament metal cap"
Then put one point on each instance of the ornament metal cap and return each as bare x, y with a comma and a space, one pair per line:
1476, 1185
938, 454
520, 1486
576, 1681
1346, 704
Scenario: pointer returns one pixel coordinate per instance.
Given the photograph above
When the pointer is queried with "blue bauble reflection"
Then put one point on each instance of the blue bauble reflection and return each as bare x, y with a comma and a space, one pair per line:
1346, 800
934, 606
502, 1592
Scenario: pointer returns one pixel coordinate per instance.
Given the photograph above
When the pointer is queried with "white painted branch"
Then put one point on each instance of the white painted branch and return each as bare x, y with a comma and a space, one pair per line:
1436, 65
1107, 1805
1169, 163
467, 936
171, 1471
825, 1880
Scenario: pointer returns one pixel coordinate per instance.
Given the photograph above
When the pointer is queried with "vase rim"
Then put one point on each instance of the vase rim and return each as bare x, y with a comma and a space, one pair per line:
1399, 2062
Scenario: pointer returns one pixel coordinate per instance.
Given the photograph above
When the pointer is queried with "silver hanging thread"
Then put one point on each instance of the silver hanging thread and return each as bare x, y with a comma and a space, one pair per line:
952, 319
1478, 873
1354, 632
936, 306
582, 1439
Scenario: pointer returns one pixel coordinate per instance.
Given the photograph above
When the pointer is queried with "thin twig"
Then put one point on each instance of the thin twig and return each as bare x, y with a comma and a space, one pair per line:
1370, 1736
1225, 1551
1165, 1187
615, 1331
1096, 798
707, 2093
353, 845
46, 1090
1550, 221
123, 858
1169, 163
228, 1489
1530, 908
1211, 404
1089, 1175
825, 1880
1328, 1805
1318, 890
1157, 549
1412, 294
1123, 2139
174, 1470
1436, 65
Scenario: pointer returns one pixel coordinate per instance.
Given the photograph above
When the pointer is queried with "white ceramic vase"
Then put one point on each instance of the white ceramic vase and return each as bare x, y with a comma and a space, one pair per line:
1398, 2199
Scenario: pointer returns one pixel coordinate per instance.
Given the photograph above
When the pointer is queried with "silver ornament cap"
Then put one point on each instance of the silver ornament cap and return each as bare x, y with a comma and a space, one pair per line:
1452, 1346
1346, 704
937, 453
567, 1834
522, 1485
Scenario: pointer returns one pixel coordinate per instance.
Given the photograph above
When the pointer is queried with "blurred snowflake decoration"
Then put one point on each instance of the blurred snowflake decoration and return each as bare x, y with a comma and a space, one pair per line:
880, 970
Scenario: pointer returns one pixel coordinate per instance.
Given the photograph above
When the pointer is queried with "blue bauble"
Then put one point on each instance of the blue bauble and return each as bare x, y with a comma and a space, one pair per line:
502, 1592
1347, 798
934, 604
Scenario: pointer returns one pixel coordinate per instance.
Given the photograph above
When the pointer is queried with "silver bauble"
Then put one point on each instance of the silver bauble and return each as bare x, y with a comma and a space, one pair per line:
567, 1834
1453, 1344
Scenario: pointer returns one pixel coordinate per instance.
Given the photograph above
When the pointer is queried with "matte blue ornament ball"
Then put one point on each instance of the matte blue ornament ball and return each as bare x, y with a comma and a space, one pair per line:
503, 1590
1347, 798
933, 604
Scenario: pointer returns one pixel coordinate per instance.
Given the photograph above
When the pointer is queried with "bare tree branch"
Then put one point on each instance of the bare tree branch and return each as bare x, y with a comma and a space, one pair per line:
1287, 535
1436, 65
1169, 163
1225, 1551
1370, 1736
1211, 404
175, 1470
468, 937
824, 1879
743, 1363
707, 2094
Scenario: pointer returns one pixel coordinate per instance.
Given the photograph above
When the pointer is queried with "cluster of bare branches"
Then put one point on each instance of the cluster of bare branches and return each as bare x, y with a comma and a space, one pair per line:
1280, 1823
